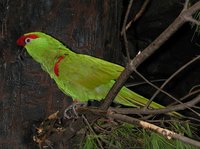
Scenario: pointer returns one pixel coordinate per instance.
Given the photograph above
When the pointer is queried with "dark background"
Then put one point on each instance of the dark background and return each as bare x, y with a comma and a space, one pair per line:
28, 95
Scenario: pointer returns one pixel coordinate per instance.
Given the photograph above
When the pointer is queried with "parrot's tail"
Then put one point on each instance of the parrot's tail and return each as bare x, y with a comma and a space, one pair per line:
129, 98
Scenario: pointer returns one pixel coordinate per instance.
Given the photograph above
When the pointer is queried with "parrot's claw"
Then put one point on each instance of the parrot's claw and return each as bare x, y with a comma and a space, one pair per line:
71, 113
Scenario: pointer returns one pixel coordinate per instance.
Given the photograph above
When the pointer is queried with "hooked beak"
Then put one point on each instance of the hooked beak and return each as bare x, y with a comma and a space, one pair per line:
21, 54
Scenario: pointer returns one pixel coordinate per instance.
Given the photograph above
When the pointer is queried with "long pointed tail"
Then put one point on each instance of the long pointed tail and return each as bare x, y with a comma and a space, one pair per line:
130, 98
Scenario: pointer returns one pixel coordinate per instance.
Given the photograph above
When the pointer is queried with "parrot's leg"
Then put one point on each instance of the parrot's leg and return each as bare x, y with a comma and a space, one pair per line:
70, 112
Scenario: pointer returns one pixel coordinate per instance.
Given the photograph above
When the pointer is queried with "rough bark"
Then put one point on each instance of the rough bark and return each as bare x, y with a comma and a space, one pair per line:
27, 94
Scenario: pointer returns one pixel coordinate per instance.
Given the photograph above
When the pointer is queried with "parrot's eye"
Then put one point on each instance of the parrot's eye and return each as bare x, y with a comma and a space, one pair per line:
27, 40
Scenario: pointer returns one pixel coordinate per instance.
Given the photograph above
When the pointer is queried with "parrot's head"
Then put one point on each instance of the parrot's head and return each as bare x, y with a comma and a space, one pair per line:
36, 39
25, 39
39, 44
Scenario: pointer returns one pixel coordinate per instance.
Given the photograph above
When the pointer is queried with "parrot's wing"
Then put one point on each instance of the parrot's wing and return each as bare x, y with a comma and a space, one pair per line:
87, 71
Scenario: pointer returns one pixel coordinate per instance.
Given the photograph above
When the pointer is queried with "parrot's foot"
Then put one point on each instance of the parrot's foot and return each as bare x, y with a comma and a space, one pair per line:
71, 113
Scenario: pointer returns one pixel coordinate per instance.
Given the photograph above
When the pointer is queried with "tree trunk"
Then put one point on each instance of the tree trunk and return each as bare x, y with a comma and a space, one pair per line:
27, 93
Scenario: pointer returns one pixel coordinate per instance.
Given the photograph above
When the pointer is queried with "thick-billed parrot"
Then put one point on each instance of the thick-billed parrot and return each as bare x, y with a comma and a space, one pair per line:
80, 76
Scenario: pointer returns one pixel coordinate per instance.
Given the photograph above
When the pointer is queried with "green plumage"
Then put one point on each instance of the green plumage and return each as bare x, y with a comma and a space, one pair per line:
81, 76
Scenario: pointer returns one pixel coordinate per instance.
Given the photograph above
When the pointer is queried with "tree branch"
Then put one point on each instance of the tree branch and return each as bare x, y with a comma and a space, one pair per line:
123, 32
146, 125
160, 90
147, 52
158, 111
92, 131
173, 75
164, 132
139, 14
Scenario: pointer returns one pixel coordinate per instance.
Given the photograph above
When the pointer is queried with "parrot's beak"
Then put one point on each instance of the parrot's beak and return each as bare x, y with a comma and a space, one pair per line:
20, 42
21, 55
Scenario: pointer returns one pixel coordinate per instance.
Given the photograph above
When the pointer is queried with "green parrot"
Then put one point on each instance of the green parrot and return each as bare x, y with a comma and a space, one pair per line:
80, 76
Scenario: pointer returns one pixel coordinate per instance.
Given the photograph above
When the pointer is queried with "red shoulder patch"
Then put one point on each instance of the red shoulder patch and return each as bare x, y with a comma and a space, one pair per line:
56, 66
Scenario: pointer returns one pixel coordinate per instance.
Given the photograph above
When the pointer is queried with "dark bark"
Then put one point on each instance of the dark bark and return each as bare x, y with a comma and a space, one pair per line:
27, 94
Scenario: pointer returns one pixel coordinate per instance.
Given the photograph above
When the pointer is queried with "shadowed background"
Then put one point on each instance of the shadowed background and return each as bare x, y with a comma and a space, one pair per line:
28, 95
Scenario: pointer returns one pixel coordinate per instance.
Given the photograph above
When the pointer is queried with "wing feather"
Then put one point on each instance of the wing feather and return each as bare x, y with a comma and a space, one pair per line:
88, 71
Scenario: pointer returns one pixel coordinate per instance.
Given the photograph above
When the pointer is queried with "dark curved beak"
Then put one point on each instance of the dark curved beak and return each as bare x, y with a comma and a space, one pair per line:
21, 55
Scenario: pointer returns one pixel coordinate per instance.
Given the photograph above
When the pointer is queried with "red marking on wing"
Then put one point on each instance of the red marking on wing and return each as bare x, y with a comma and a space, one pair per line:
21, 40
56, 66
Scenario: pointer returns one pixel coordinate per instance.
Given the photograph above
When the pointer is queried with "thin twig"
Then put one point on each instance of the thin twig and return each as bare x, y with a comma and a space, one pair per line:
191, 10
188, 95
139, 14
158, 89
173, 75
143, 82
193, 21
196, 107
186, 5
169, 95
194, 88
126, 47
158, 111
92, 131
164, 132
194, 119
126, 17
123, 32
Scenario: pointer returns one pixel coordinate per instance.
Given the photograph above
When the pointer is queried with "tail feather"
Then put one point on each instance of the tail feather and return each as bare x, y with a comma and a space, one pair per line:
132, 99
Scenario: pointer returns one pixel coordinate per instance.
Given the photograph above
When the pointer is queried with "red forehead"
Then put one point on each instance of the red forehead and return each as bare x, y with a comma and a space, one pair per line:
21, 40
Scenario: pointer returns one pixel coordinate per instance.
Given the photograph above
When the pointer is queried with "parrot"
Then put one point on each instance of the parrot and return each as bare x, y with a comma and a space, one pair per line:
83, 77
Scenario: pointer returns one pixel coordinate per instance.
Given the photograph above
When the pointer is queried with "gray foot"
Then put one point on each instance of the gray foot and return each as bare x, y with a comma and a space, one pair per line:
71, 113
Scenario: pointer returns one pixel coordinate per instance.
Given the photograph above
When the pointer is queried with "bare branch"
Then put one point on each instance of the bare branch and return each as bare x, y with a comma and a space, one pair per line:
143, 82
190, 19
159, 89
139, 14
175, 74
126, 17
147, 52
126, 47
116, 87
186, 5
188, 95
194, 88
123, 32
158, 111
92, 131
164, 132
